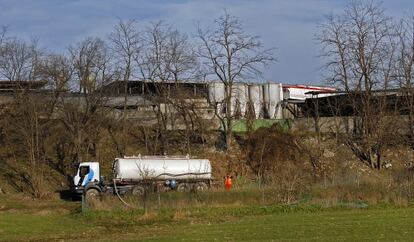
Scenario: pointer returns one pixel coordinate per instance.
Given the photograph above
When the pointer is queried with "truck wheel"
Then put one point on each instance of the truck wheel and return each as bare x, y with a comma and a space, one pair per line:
200, 186
183, 187
138, 191
92, 194
163, 188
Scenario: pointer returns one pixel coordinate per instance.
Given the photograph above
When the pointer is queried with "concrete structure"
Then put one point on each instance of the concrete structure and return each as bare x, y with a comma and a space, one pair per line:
265, 101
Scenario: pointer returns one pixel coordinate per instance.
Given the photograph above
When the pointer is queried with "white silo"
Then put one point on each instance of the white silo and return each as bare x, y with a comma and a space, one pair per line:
239, 99
216, 95
273, 97
216, 92
256, 98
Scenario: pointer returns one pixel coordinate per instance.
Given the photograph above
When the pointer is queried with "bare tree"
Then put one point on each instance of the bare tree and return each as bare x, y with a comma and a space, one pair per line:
125, 45
405, 68
57, 70
3, 32
167, 60
231, 55
24, 120
90, 60
153, 68
360, 50
183, 67
3, 38
26, 132
18, 59
83, 114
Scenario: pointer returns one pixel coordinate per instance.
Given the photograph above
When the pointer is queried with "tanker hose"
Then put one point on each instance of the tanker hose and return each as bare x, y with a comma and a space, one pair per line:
120, 198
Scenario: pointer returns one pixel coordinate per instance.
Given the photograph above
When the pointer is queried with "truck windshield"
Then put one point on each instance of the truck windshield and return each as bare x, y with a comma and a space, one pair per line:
83, 170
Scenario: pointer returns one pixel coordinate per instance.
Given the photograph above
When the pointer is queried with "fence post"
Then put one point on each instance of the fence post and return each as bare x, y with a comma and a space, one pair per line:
84, 205
159, 197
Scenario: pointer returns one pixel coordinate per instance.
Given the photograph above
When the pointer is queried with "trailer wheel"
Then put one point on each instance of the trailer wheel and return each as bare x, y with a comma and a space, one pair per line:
200, 186
138, 191
92, 194
183, 187
162, 188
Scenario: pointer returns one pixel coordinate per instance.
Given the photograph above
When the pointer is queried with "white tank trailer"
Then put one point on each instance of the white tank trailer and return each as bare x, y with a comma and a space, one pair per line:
273, 97
161, 168
135, 175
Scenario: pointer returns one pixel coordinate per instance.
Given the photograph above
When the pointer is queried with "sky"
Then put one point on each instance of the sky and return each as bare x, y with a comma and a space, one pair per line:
289, 26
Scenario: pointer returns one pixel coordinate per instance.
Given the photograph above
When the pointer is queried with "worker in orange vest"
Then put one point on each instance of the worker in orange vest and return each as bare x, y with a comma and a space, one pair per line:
228, 182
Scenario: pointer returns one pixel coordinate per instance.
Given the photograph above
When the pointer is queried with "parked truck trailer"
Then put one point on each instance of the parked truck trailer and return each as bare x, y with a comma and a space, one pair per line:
138, 174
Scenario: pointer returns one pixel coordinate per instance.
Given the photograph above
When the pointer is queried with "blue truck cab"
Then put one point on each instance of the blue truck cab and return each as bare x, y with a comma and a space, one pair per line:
87, 174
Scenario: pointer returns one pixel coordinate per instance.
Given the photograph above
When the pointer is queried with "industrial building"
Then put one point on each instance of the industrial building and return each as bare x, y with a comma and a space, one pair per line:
297, 107
268, 100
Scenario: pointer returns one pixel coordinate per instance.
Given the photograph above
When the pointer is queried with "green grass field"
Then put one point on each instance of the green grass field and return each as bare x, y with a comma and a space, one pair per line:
253, 223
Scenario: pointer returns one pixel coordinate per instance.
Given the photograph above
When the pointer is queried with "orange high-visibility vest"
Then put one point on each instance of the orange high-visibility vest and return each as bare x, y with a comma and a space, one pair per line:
228, 183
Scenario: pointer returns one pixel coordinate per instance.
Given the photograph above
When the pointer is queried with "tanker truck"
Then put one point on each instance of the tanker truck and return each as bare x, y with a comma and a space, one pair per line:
137, 174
